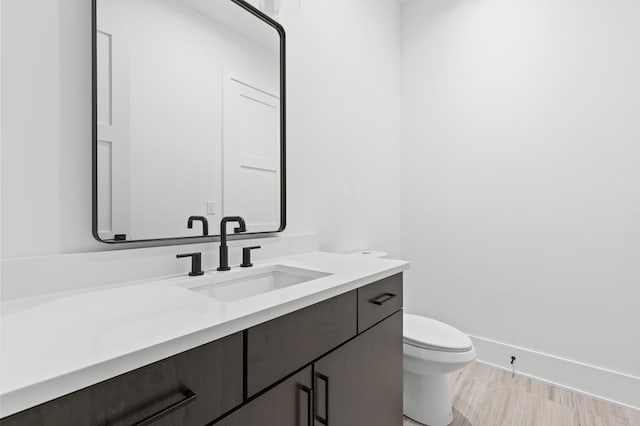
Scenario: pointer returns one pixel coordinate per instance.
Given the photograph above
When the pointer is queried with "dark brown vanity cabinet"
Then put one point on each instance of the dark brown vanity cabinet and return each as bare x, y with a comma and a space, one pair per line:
351, 344
335, 363
357, 384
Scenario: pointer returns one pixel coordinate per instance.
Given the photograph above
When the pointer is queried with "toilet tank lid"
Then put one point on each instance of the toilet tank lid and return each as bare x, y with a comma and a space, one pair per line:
434, 335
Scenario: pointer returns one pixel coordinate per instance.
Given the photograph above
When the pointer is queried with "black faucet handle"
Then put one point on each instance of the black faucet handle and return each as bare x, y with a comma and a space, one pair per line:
246, 256
196, 263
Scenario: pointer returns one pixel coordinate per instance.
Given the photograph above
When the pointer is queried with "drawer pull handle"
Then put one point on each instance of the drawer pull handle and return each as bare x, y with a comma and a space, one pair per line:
381, 300
309, 393
189, 397
324, 420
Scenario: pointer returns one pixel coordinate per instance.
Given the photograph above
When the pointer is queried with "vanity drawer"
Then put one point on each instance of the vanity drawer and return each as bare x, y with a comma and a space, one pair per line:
379, 300
191, 388
283, 345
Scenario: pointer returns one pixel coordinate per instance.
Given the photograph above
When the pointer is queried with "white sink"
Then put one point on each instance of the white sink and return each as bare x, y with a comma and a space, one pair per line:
241, 284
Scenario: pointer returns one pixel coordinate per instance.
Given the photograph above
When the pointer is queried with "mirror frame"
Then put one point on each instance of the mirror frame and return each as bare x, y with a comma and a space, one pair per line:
94, 147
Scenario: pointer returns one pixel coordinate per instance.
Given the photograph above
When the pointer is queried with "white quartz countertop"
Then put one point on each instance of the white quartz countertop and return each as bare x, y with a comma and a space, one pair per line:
56, 344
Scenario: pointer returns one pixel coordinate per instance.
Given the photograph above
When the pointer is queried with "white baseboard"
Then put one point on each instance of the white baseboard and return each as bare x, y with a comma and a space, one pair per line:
612, 386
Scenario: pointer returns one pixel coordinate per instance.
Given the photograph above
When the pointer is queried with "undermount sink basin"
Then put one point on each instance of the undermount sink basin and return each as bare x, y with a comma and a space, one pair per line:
242, 284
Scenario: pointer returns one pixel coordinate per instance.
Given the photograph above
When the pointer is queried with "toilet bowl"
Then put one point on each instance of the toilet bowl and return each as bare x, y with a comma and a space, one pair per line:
432, 349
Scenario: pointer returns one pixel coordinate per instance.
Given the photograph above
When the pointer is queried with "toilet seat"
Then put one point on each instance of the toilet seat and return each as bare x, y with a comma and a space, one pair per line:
433, 335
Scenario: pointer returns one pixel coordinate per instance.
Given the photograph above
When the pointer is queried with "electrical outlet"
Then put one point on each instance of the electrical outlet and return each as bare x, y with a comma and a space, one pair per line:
211, 208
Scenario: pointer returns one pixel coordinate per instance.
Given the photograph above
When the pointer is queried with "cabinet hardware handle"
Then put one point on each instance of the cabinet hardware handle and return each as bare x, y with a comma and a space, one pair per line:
189, 397
324, 420
309, 393
381, 300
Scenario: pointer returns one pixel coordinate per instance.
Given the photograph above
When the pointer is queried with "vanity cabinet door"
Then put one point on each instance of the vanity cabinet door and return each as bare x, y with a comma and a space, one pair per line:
192, 388
287, 404
360, 383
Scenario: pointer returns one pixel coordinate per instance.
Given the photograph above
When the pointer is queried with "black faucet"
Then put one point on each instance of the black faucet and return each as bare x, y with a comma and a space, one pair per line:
205, 223
224, 250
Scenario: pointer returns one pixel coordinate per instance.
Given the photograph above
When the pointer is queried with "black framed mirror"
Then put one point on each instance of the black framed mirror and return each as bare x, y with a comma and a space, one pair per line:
188, 120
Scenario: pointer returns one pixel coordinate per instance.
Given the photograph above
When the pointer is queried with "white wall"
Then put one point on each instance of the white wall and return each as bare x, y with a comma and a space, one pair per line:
521, 184
344, 122
344, 125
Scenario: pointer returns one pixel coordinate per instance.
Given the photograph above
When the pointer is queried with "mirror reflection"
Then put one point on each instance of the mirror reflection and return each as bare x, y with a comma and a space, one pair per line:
188, 119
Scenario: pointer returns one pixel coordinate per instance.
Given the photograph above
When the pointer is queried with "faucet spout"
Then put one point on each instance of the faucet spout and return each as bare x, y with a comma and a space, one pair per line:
224, 249
205, 223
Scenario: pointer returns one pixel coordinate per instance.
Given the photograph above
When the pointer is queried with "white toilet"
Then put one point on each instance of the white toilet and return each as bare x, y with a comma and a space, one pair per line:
432, 349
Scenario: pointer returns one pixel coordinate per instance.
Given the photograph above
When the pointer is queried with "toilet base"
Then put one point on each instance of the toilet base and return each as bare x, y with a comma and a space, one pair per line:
427, 399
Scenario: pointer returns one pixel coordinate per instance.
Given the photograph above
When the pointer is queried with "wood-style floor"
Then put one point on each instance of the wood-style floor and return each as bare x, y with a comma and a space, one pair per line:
486, 396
